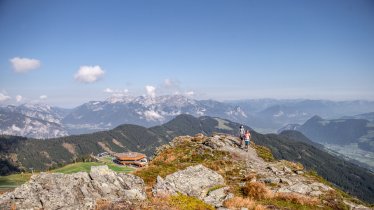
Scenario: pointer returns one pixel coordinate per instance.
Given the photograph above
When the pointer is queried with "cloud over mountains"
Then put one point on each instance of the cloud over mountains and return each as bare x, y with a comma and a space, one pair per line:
89, 74
22, 65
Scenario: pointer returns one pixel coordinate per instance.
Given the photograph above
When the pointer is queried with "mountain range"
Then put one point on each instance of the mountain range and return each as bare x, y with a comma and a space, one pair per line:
18, 153
264, 115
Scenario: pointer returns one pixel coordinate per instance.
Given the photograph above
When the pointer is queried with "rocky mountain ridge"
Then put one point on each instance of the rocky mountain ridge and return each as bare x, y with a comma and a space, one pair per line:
227, 178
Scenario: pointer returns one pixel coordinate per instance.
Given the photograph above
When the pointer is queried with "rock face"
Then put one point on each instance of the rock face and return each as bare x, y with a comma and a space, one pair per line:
75, 191
193, 181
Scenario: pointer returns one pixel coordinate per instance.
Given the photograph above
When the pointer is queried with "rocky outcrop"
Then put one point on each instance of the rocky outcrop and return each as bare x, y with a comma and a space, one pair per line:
196, 181
75, 191
193, 181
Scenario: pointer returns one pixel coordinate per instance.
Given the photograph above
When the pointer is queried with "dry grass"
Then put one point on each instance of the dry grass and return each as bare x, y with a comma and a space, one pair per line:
239, 202
295, 166
103, 204
160, 203
249, 177
297, 198
256, 190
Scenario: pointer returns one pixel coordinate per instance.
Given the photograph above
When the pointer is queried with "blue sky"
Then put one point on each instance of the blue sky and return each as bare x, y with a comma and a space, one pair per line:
69, 52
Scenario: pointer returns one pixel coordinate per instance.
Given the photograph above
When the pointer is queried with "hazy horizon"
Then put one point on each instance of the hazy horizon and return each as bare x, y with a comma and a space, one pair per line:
66, 53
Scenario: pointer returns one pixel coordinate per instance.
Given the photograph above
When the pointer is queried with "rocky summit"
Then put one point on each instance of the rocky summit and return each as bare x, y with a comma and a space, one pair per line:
197, 172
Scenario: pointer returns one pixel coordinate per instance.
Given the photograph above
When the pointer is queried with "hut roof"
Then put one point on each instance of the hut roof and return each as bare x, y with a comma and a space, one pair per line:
129, 156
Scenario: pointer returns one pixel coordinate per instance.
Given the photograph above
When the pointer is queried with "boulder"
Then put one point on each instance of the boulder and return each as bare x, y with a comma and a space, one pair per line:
287, 170
300, 188
271, 180
214, 142
286, 181
217, 197
193, 181
75, 191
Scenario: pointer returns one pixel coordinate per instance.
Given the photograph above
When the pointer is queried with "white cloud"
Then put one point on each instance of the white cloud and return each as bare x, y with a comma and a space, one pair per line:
21, 65
151, 91
116, 92
169, 83
190, 93
4, 97
108, 90
89, 74
151, 115
43, 97
19, 98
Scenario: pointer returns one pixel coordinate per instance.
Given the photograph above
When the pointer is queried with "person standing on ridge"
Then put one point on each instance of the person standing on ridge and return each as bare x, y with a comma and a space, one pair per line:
247, 139
241, 135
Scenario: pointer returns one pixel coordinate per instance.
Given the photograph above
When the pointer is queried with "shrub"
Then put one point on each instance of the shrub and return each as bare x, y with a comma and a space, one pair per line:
256, 190
239, 202
297, 198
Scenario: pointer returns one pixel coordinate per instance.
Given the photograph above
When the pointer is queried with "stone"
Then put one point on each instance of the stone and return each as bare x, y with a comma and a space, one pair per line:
316, 193
216, 197
193, 181
214, 142
285, 181
354, 206
299, 172
271, 180
75, 191
272, 169
320, 186
163, 188
300, 188
284, 190
287, 170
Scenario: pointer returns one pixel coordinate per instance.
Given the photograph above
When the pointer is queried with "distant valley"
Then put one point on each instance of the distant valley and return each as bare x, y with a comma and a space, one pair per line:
352, 137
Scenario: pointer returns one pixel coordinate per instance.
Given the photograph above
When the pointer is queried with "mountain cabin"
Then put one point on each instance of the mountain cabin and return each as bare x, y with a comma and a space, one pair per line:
131, 158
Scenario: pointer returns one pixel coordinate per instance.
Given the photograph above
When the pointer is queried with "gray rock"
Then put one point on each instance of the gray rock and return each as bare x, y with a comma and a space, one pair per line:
284, 190
75, 191
163, 188
214, 142
287, 170
354, 206
299, 172
286, 181
272, 169
316, 193
216, 197
193, 181
271, 180
300, 188
320, 186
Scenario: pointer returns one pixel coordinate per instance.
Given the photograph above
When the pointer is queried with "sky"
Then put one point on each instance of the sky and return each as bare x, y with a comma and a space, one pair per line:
66, 53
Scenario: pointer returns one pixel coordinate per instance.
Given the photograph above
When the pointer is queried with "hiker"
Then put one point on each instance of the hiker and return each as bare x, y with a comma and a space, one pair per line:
241, 135
247, 139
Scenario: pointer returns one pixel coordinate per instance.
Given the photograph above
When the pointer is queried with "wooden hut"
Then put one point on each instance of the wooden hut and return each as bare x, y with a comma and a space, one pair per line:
131, 158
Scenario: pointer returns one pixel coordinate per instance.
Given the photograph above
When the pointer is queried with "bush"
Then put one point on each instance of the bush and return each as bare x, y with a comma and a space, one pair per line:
256, 190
